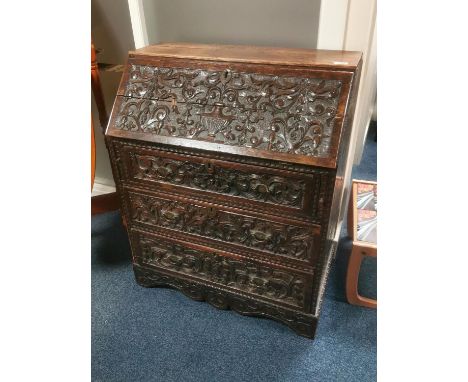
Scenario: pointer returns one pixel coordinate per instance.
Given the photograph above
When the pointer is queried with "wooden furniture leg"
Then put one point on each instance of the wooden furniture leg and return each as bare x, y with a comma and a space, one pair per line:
93, 155
352, 278
104, 203
351, 212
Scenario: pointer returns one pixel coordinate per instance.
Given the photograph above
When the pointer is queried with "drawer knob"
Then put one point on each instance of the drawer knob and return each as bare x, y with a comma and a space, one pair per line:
170, 215
261, 235
210, 168
263, 189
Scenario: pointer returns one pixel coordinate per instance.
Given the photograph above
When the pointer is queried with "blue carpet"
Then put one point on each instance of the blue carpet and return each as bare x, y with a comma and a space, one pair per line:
158, 334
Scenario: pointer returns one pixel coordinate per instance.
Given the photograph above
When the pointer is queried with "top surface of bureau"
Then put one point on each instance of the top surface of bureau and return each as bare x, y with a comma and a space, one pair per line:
331, 59
288, 105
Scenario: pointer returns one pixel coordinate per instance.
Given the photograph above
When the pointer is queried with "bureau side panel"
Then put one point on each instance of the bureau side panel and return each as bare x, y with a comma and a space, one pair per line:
340, 197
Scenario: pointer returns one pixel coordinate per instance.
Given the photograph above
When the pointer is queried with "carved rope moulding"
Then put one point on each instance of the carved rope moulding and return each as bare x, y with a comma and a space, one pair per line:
241, 275
286, 240
282, 114
260, 187
252, 161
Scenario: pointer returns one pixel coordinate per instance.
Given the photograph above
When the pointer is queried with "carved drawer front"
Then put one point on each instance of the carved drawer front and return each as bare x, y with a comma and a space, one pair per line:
251, 236
294, 118
222, 270
252, 187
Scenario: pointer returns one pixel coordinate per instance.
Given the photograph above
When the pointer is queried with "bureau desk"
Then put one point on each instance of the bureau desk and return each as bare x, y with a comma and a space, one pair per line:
229, 163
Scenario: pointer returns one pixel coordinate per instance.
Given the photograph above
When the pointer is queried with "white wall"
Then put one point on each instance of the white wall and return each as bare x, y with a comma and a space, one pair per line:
111, 32
328, 24
291, 23
360, 35
332, 24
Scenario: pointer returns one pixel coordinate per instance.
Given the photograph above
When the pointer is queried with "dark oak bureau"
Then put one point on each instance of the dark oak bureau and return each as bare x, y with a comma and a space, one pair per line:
230, 165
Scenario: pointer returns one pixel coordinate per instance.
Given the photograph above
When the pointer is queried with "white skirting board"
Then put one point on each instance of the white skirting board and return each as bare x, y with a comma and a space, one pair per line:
102, 186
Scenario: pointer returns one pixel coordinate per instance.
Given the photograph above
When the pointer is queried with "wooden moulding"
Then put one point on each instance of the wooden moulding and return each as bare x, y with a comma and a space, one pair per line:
326, 59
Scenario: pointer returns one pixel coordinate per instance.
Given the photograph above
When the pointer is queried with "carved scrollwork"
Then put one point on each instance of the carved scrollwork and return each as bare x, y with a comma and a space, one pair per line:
286, 240
211, 177
242, 275
231, 88
282, 114
301, 323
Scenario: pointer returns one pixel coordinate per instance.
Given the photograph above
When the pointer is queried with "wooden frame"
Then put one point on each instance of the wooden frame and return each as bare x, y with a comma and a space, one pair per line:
93, 155
360, 249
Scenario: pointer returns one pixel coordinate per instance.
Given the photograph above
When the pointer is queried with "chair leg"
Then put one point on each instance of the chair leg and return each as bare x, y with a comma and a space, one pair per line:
104, 203
93, 155
352, 278
350, 221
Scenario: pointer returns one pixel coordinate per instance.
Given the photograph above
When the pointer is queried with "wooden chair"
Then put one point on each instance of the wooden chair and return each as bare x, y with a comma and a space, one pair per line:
97, 90
93, 155
364, 239
99, 98
106, 202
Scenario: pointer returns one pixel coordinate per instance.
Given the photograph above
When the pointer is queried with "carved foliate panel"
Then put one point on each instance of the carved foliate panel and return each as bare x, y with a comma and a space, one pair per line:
282, 132
211, 177
286, 240
281, 114
245, 276
231, 88
301, 323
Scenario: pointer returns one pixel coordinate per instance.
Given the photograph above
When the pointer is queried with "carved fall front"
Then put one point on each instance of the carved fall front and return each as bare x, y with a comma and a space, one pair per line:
282, 114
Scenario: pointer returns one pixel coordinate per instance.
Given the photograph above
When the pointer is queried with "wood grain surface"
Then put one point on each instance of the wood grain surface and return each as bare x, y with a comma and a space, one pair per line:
330, 59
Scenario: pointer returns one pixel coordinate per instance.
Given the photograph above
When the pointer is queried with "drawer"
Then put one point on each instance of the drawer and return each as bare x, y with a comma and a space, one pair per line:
210, 178
220, 227
222, 270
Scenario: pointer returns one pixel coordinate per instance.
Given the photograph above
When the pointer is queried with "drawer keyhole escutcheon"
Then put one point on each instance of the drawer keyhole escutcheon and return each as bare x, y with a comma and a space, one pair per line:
210, 168
174, 104
211, 212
